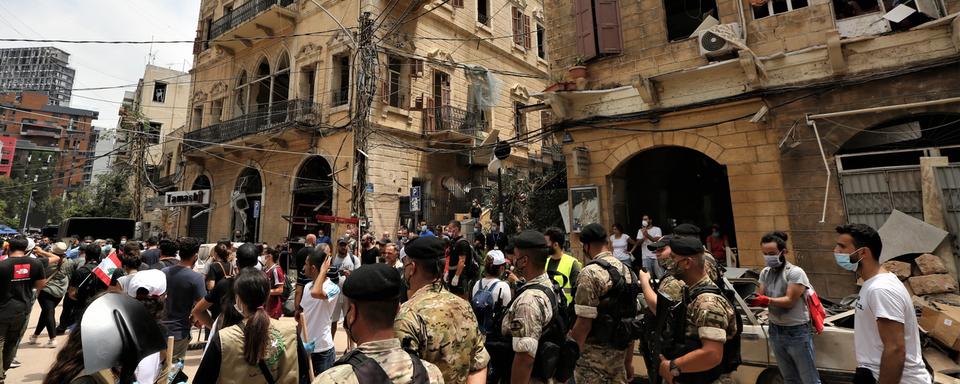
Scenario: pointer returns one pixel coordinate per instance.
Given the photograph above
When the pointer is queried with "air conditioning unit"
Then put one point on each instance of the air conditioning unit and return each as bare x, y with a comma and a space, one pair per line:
713, 45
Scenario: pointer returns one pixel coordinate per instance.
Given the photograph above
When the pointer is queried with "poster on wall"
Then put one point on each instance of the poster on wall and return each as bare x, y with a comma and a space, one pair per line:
585, 206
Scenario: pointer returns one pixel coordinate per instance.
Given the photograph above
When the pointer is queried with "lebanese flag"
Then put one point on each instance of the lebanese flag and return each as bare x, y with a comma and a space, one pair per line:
105, 270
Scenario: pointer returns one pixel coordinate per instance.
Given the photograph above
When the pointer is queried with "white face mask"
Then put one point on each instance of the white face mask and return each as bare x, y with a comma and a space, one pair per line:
260, 259
644, 223
772, 261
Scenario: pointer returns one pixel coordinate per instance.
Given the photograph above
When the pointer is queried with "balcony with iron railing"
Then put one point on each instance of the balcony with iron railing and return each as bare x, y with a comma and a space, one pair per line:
281, 114
450, 118
255, 19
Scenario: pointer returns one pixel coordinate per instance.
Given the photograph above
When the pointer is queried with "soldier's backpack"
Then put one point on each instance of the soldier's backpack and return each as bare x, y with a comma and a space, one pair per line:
485, 306
368, 370
681, 344
616, 324
557, 353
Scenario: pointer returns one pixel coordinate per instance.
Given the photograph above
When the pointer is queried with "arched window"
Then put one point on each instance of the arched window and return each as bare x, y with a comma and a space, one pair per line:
246, 204
199, 215
312, 196
242, 91
260, 88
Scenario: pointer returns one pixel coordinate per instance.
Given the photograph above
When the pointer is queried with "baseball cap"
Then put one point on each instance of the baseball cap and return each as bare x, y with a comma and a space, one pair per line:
152, 282
59, 248
497, 257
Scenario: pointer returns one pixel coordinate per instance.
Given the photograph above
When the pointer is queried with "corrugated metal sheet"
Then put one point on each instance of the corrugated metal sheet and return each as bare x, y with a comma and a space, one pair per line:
869, 197
949, 180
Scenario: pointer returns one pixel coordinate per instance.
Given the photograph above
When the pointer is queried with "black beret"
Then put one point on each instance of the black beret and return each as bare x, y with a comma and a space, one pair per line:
686, 230
373, 282
593, 233
425, 248
663, 242
686, 246
509, 248
530, 239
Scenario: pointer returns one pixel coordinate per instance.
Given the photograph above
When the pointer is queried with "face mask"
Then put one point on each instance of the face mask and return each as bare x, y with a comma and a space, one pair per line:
236, 306
423, 228
843, 260
260, 259
644, 223
123, 242
716, 233
677, 270
666, 263
772, 261
348, 325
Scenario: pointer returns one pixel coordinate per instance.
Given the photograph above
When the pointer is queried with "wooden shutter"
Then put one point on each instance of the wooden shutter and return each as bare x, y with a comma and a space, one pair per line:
385, 85
517, 27
608, 27
416, 68
429, 115
586, 39
457, 3
197, 42
526, 31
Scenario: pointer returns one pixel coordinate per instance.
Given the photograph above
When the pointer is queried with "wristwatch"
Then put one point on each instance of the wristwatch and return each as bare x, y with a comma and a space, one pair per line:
674, 369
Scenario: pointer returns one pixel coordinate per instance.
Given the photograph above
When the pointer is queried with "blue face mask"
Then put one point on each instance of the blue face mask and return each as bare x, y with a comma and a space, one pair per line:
843, 260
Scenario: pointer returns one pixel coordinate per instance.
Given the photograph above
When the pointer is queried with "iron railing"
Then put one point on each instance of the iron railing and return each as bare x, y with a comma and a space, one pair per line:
241, 14
277, 115
450, 118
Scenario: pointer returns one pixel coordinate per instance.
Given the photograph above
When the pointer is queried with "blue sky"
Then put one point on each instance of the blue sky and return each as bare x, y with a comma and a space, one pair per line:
100, 65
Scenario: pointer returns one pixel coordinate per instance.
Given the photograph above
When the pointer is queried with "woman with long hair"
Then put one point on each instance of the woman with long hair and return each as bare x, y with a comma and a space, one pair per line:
57, 279
620, 242
259, 349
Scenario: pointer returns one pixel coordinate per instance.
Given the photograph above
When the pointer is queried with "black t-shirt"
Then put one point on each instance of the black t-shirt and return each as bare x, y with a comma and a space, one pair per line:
88, 284
160, 265
217, 271
460, 247
369, 256
475, 212
17, 276
302, 254
221, 297
150, 256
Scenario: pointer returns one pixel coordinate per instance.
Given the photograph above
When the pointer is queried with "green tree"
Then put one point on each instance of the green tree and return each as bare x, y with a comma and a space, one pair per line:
530, 202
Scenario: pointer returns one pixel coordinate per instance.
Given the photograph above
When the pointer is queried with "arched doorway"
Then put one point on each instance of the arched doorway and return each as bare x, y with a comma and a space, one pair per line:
312, 196
199, 215
674, 185
246, 202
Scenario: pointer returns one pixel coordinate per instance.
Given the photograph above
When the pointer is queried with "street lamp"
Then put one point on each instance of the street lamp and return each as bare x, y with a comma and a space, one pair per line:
26, 217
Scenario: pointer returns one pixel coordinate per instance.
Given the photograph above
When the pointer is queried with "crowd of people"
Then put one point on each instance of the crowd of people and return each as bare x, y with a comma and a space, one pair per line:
431, 306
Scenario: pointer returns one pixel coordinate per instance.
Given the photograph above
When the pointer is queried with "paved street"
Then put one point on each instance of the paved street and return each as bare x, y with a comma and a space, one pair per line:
37, 359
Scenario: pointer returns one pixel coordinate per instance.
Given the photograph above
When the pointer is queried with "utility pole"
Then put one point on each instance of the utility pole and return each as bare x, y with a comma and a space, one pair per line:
366, 76
26, 217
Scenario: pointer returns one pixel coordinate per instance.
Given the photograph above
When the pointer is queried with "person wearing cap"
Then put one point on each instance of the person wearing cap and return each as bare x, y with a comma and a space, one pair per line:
19, 276
150, 289
344, 264
693, 232
57, 276
489, 317
439, 325
374, 292
646, 235
566, 267
493, 269
603, 357
710, 320
668, 285
529, 314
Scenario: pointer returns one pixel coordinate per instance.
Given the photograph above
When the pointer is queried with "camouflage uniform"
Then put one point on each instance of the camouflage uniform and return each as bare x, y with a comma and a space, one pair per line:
442, 329
527, 316
598, 363
711, 265
394, 361
671, 288
710, 317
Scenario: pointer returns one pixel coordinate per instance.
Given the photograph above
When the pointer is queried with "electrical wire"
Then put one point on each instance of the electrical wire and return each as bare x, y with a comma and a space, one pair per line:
145, 42
19, 184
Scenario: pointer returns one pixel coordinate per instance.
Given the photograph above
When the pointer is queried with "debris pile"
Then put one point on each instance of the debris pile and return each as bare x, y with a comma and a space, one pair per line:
926, 275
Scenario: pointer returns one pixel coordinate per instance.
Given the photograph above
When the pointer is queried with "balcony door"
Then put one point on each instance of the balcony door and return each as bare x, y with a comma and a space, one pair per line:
247, 202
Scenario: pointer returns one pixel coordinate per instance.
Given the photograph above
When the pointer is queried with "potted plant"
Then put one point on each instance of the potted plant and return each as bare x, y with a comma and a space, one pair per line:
557, 84
578, 70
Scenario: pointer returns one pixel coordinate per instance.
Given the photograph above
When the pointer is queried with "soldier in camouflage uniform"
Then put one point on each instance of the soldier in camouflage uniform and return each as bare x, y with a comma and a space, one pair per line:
437, 324
710, 320
528, 314
374, 293
599, 363
669, 286
692, 231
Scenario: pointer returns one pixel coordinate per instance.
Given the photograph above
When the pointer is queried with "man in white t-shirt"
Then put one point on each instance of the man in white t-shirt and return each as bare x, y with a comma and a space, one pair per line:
318, 305
647, 235
499, 289
344, 264
886, 337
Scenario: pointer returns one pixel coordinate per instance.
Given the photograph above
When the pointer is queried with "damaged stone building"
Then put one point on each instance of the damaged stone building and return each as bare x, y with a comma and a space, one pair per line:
793, 115
273, 112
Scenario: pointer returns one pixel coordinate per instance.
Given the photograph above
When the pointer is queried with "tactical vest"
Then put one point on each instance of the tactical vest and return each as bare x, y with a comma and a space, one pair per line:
617, 312
368, 370
565, 267
234, 369
684, 343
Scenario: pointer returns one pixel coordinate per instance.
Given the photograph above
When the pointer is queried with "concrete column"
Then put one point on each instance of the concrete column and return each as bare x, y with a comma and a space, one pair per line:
934, 210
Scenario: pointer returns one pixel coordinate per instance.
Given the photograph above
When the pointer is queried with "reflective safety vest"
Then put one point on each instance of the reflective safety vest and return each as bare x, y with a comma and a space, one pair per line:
565, 268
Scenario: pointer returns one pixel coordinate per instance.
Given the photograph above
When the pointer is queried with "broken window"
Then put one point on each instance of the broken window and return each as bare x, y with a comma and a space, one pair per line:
541, 48
519, 119
216, 111
483, 12
773, 7
889, 14
196, 118
598, 28
521, 28
396, 87
159, 91
685, 16
152, 130
308, 82
341, 79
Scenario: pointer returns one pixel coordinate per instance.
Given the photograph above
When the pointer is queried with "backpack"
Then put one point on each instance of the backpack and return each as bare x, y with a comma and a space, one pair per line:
616, 324
368, 370
731, 349
485, 307
557, 353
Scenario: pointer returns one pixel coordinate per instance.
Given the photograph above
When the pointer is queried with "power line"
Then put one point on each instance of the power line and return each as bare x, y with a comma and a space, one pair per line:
145, 42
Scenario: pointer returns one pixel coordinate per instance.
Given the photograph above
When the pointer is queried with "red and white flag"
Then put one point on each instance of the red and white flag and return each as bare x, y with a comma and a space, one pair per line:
105, 270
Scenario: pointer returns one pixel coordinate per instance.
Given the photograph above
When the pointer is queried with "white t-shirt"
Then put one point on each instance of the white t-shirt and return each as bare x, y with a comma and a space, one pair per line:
884, 296
501, 292
149, 369
317, 314
655, 233
620, 247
